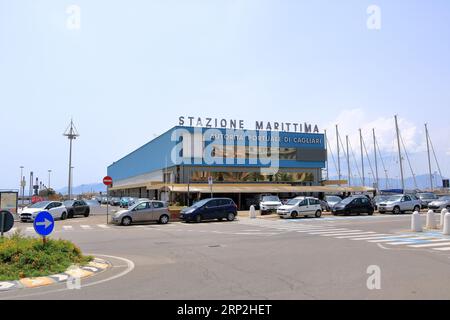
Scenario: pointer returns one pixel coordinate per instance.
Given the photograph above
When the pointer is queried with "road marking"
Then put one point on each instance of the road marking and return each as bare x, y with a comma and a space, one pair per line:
406, 241
362, 234
442, 249
344, 234
29, 229
103, 226
322, 230
86, 227
337, 232
429, 245
67, 227
390, 236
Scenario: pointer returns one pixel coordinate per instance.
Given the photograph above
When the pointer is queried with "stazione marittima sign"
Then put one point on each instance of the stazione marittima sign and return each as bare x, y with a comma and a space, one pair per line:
240, 124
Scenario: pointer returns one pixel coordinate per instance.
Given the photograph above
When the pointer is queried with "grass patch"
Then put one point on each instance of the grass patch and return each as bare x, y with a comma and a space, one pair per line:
23, 257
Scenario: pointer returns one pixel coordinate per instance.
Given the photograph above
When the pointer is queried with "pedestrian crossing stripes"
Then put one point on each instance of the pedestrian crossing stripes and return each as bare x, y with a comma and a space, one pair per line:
428, 240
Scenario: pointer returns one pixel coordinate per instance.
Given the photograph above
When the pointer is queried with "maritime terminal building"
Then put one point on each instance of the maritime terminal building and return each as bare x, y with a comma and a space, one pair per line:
188, 163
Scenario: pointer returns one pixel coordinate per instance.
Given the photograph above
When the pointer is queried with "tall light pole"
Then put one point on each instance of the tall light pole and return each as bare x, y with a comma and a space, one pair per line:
71, 133
22, 187
49, 173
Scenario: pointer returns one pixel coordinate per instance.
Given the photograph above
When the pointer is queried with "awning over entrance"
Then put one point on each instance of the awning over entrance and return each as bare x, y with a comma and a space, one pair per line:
261, 188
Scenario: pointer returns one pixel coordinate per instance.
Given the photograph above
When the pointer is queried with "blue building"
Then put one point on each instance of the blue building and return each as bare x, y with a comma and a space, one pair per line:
191, 162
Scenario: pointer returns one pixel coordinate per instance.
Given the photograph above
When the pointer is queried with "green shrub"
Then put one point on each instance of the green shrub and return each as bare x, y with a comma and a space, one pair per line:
22, 257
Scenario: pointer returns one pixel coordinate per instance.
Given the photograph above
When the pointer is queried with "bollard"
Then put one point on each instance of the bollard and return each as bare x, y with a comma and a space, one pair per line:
416, 224
443, 212
446, 230
431, 221
252, 212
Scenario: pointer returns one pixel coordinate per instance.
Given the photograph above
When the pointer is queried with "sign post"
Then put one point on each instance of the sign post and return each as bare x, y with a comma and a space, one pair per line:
210, 182
107, 181
6, 221
43, 225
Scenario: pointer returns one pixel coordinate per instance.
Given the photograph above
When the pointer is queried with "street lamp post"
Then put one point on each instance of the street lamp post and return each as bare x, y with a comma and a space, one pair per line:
49, 172
71, 133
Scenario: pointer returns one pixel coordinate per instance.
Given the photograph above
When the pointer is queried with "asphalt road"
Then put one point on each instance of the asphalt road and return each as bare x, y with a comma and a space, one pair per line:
268, 258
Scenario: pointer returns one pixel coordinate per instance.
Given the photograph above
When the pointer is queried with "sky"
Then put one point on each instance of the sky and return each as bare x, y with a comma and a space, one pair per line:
125, 70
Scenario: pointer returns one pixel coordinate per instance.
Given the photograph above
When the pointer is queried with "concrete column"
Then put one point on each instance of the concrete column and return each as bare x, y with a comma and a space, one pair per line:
431, 222
252, 212
446, 230
443, 212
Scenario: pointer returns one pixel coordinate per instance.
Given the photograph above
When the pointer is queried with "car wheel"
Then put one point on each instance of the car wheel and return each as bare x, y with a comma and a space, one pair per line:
396, 210
230, 216
198, 218
318, 213
294, 214
164, 219
126, 221
64, 216
70, 215
417, 208
370, 213
448, 208
86, 213
220, 219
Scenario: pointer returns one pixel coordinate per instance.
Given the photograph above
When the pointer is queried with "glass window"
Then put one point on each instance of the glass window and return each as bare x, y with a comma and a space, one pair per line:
158, 205
142, 206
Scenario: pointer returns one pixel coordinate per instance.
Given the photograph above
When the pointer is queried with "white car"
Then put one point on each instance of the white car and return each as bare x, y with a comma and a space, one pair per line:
301, 206
269, 203
55, 208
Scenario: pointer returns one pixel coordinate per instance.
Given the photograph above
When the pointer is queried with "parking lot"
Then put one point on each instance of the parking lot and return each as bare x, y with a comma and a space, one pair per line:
262, 258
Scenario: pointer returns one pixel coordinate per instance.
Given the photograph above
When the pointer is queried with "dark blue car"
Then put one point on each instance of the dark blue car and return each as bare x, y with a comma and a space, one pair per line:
210, 209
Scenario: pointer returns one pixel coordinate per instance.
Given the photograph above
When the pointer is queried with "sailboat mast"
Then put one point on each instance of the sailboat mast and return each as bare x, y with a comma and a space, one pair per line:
362, 158
348, 162
429, 158
376, 159
326, 147
399, 153
338, 153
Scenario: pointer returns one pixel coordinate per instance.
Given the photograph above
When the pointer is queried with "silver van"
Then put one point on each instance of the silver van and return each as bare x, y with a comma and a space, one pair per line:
144, 211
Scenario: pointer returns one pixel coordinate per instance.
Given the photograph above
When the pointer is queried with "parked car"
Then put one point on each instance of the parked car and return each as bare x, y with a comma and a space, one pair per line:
269, 203
439, 204
301, 206
114, 201
210, 209
353, 205
143, 212
379, 199
331, 201
55, 208
426, 198
77, 207
104, 200
125, 202
399, 204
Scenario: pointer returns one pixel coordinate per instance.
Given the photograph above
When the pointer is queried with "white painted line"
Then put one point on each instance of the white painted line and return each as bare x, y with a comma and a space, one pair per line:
67, 227
429, 245
325, 230
86, 227
362, 234
103, 226
382, 237
30, 229
343, 234
442, 249
406, 241
336, 231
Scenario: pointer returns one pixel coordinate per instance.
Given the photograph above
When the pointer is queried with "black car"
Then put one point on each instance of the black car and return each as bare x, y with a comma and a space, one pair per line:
209, 209
77, 208
354, 205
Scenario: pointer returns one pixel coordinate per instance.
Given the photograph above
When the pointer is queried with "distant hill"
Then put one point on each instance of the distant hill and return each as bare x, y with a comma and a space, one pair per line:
91, 187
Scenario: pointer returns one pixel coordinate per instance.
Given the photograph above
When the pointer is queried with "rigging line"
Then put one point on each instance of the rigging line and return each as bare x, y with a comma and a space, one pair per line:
332, 155
409, 162
434, 154
382, 162
368, 159
345, 153
354, 158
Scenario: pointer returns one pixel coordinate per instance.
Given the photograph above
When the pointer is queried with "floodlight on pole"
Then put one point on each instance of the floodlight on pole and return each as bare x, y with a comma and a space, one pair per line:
71, 133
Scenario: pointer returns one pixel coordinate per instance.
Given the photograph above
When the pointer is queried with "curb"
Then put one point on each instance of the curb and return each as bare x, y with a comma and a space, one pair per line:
96, 266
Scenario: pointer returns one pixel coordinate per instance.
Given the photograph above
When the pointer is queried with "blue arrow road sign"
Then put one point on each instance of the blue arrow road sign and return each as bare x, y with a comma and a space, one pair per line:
44, 223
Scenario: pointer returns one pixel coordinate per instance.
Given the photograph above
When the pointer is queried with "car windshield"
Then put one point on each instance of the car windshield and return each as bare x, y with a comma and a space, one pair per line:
270, 198
381, 198
40, 205
200, 203
347, 200
445, 198
294, 202
427, 196
68, 203
333, 198
395, 198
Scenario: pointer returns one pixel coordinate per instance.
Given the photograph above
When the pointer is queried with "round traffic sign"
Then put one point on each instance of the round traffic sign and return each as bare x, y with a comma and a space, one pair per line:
6, 221
107, 181
44, 223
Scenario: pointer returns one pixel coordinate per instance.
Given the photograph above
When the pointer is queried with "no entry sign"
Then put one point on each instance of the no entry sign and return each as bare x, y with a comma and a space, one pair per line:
107, 181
